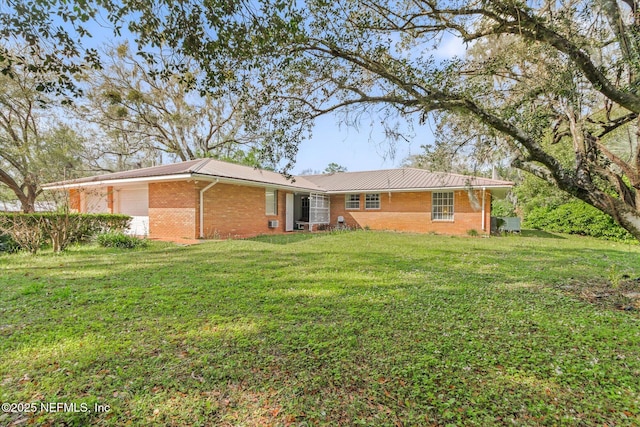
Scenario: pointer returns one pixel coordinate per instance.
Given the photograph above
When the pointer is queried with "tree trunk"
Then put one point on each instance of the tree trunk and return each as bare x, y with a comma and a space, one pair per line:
28, 204
28, 198
626, 216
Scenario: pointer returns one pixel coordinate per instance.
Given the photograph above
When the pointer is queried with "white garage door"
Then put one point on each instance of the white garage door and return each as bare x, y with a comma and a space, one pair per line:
135, 202
95, 202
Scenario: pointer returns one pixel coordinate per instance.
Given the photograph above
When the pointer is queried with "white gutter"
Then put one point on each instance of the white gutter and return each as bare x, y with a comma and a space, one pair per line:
180, 177
253, 183
202, 206
484, 192
107, 182
411, 190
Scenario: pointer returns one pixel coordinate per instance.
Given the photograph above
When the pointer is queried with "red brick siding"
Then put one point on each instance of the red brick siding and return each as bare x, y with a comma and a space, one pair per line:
110, 199
173, 210
240, 211
75, 204
412, 212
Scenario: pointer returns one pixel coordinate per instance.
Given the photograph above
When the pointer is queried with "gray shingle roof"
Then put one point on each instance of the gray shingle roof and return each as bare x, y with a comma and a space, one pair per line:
403, 179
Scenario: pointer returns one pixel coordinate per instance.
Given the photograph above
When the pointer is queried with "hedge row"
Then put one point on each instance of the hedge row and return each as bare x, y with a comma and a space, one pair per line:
577, 218
31, 231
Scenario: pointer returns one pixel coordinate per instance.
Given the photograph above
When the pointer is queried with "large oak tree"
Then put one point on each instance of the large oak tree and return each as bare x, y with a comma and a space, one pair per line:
552, 72
35, 145
142, 114
565, 72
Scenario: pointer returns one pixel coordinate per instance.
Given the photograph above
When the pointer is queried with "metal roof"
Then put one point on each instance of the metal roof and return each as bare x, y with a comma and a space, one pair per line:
404, 179
195, 168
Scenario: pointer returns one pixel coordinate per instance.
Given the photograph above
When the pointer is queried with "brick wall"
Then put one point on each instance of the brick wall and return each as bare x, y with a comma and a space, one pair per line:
229, 211
412, 212
110, 199
173, 210
239, 211
75, 202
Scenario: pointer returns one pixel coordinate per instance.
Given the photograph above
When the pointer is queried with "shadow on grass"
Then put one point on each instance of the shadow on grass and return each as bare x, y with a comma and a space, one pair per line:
285, 239
541, 234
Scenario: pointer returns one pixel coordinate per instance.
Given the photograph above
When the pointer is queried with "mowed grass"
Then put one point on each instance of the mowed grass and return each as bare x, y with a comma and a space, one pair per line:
357, 328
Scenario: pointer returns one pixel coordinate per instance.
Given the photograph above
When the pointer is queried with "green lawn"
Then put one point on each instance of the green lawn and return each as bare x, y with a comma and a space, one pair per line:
354, 328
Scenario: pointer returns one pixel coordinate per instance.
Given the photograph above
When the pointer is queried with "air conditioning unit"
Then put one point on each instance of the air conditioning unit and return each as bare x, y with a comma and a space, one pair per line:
273, 223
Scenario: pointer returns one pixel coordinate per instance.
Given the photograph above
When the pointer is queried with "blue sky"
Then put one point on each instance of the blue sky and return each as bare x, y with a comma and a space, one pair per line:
357, 149
365, 148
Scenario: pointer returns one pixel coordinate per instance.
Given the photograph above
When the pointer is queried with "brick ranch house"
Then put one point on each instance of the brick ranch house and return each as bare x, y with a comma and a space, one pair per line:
208, 198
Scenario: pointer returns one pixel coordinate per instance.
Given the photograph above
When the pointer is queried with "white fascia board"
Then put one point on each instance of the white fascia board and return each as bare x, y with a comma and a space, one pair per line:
419, 189
178, 177
250, 183
111, 182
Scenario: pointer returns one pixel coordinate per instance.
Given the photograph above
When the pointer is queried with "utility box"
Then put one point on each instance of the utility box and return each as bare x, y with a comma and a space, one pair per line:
508, 224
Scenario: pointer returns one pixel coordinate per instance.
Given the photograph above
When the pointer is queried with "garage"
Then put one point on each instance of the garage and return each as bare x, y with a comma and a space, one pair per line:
134, 201
94, 201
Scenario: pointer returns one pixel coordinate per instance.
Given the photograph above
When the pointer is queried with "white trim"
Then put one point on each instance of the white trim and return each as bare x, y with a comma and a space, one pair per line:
179, 177
453, 206
347, 201
484, 192
202, 206
250, 183
111, 182
289, 218
314, 209
379, 200
413, 190
271, 209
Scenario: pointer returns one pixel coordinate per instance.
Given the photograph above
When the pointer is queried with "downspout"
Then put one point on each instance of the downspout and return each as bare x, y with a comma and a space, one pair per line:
202, 207
484, 192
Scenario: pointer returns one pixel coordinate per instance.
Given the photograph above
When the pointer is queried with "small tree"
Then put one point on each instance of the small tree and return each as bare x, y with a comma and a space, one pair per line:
333, 168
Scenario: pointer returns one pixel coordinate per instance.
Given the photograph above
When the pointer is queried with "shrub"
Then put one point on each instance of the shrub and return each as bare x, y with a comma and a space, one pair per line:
25, 230
502, 208
31, 231
65, 229
577, 217
120, 240
7, 244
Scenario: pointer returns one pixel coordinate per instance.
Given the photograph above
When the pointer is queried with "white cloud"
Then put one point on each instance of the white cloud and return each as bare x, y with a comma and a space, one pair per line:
450, 46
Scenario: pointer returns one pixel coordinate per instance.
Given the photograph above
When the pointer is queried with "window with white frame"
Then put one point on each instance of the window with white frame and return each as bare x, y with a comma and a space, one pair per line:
272, 201
319, 208
352, 201
442, 206
372, 201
